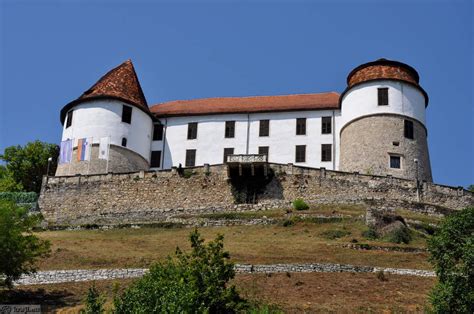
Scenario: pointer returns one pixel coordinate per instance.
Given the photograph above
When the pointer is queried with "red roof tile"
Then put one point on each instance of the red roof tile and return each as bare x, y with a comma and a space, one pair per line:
247, 104
120, 83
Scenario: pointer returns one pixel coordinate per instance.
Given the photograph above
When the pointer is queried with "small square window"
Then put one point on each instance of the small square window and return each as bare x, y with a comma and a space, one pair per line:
192, 130
158, 132
264, 128
301, 126
155, 159
227, 152
127, 114
326, 123
230, 129
69, 119
326, 152
300, 153
190, 158
383, 96
395, 162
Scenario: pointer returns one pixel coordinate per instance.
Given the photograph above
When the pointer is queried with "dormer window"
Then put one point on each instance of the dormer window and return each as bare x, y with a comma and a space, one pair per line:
383, 96
69, 119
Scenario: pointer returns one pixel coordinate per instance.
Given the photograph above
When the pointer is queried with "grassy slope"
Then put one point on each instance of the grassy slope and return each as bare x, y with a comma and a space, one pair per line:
299, 243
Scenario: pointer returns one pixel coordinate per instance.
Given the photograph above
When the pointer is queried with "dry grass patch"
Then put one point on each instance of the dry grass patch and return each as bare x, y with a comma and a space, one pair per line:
293, 293
300, 243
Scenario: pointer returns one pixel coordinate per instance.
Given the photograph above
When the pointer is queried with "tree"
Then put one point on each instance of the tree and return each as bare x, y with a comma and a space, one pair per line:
94, 301
28, 164
7, 183
195, 282
19, 248
471, 188
452, 254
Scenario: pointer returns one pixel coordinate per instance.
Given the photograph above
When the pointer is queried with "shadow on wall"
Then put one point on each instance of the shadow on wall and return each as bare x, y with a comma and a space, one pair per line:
248, 188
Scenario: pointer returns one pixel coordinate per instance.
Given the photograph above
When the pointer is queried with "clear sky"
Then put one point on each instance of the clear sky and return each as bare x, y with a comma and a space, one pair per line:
52, 51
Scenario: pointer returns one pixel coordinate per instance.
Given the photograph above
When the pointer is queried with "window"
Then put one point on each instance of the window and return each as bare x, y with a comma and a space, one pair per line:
301, 126
227, 152
124, 141
190, 158
264, 128
127, 114
300, 153
263, 150
409, 129
192, 130
326, 152
155, 160
229, 129
158, 132
69, 119
326, 123
395, 162
383, 96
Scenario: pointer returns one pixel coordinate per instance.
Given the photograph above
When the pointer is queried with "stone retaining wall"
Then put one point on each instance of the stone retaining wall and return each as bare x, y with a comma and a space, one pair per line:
145, 197
79, 275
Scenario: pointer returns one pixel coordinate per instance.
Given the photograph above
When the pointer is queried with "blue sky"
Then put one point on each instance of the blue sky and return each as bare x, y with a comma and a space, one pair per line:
52, 51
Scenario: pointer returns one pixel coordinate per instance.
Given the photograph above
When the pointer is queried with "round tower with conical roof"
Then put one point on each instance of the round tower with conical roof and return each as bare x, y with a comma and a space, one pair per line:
113, 111
383, 128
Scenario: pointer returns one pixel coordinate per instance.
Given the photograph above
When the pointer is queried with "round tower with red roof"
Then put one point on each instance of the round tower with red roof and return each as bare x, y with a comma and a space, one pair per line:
109, 127
383, 127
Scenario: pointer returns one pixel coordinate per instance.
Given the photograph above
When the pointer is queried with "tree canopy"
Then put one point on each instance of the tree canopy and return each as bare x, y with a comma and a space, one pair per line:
26, 165
452, 254
19, 248
195, 282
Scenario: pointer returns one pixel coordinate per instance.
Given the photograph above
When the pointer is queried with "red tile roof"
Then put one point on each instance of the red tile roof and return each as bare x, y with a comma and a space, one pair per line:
119, 83
247, 104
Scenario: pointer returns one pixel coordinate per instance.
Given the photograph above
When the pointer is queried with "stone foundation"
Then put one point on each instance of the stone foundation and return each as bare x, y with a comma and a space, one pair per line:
120, 160
146, 197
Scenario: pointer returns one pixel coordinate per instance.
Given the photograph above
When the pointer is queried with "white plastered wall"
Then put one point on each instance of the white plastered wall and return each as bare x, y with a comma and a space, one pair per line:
282, 139
103, 118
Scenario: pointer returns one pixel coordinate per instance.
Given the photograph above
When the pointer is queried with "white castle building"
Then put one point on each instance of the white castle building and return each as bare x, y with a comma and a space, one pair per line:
375, 126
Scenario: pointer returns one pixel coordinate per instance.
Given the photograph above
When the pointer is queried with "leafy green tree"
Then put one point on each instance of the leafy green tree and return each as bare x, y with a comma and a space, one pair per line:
195, 282
7, 183
28, 164
19, 248
452, 254
94, 301
471, 188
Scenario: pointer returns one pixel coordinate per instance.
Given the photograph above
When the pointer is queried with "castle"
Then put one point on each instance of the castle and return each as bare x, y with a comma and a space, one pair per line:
375, 126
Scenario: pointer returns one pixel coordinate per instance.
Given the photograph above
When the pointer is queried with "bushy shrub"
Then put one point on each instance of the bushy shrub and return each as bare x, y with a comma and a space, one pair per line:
94, 302
288, 222
452, 254
400, 235
300, 204
334, 234
370, 233
381, 275
18, 246
195, 282
19, 197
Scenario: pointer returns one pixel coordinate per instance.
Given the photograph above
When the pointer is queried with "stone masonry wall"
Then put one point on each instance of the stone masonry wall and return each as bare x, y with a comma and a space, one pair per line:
121, 160
146, 197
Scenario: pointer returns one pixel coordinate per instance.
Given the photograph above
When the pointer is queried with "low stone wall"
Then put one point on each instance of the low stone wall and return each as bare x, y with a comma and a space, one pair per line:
144, 197
78, 275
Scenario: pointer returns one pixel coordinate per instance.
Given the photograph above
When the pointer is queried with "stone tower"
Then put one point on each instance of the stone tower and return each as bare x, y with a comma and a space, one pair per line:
114, 108
383, 129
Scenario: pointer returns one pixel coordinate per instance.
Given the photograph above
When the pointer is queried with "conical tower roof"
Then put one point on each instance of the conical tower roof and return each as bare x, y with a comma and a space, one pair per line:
119, 83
